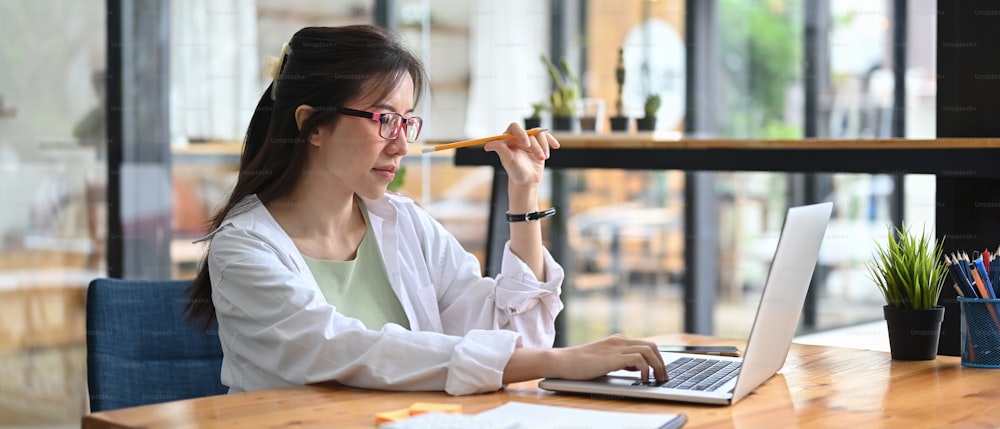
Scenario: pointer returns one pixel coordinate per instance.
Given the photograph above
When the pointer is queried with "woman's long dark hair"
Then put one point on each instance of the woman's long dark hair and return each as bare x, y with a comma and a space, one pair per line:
325, 67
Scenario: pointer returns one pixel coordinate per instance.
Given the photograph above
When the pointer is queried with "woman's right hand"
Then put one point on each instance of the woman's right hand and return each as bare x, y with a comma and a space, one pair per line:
587, 361
613, 353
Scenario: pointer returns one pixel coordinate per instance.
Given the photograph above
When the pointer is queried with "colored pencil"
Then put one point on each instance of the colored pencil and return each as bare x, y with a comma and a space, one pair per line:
456, 145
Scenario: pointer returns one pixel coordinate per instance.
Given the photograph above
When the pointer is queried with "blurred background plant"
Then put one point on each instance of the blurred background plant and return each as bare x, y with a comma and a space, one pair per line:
620, 79
537, 109
566, 96
652, 105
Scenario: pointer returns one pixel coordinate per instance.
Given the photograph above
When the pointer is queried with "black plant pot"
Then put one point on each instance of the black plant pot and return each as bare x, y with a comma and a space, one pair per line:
646, 124
562, 123
530, 123
588, 123
913, 334
619, 123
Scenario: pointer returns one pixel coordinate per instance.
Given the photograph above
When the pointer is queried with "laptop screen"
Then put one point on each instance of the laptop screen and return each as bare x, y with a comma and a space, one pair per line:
784, 295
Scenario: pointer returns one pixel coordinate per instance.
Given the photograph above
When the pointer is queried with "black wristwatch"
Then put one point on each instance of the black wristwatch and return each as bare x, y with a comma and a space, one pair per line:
531, 216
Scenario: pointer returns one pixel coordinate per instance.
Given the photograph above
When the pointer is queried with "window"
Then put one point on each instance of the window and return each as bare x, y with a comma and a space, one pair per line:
52, 226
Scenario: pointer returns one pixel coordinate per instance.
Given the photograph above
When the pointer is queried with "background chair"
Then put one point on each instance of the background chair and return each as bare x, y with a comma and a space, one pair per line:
142, 350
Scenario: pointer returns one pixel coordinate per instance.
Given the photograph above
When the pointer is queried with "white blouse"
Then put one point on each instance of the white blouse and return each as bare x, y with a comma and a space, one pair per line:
277, 330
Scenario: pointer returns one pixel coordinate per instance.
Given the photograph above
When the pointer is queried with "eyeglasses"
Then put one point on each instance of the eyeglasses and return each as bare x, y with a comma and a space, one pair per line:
389, 123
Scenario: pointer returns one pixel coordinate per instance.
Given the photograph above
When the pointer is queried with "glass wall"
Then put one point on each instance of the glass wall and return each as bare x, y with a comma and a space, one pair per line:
626, 231
765, 63
52, 226
625, 228
769, 63
759, 88
857, 100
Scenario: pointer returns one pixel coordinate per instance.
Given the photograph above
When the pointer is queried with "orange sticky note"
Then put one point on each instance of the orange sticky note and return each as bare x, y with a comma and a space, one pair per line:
392, 416
419, 408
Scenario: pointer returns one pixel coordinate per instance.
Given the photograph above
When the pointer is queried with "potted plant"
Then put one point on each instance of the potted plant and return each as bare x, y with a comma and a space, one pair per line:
909, 273
652, 105
535, 120
565, 97
619, 122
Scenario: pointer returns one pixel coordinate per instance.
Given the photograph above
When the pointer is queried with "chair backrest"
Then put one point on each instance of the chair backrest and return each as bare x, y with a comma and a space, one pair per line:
141, 349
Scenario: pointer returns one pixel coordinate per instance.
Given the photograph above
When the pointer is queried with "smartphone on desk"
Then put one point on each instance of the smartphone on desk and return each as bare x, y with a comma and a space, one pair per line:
703, 350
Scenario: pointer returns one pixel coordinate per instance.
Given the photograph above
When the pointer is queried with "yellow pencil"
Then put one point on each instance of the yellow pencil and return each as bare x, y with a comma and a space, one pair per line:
474, 142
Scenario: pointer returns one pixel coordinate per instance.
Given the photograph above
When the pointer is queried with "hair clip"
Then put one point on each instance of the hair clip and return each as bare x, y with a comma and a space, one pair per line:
272, 68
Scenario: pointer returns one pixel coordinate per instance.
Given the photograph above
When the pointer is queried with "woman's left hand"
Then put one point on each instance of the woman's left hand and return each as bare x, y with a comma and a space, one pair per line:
523, 157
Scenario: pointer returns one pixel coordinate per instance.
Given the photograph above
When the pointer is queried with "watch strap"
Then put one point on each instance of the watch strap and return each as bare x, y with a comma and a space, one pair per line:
530, 216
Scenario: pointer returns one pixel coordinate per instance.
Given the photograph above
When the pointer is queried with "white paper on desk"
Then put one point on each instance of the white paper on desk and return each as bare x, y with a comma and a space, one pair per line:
547, 416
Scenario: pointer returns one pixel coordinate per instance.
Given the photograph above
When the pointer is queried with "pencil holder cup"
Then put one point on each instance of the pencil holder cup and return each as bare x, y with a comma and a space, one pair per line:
980, 332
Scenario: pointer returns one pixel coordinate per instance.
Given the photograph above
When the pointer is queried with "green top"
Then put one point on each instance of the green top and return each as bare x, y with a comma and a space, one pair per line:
360, 288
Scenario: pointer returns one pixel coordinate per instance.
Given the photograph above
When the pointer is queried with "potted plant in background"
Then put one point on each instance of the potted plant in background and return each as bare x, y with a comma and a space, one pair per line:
652, 105
535, 120
619, 122
565, 97
909, 273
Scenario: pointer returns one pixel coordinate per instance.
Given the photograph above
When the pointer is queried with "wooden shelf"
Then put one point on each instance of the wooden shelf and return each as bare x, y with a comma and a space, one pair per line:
955, 157
676, 141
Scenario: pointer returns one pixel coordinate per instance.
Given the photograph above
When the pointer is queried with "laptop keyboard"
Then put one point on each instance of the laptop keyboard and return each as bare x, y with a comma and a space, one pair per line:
700, 374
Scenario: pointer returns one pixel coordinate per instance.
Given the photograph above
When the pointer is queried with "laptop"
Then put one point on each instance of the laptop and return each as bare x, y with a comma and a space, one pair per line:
725, 380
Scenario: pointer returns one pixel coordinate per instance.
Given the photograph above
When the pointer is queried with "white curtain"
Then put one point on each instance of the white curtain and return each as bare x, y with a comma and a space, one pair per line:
507, 40
215, 69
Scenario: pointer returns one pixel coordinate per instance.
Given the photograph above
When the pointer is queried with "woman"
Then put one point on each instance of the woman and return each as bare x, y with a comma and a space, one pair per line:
315, 273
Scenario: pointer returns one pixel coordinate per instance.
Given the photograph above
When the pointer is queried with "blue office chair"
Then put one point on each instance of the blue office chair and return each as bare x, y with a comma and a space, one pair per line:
141, 349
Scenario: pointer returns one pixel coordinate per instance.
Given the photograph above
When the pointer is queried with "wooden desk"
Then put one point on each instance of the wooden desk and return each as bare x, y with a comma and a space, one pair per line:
818, 387
965, 168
